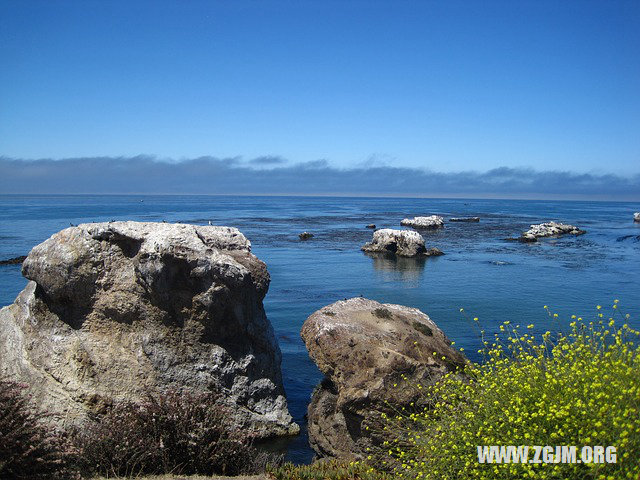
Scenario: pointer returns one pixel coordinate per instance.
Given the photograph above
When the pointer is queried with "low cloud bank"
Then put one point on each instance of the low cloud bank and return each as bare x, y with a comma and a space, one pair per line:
274, 175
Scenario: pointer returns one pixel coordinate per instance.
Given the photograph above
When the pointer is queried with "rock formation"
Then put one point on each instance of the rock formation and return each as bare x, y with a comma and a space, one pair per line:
404, 243
305, 236
432, 221
636, 217
13, 261
114, 311
364, 348
371, 225
464, 219
549, 229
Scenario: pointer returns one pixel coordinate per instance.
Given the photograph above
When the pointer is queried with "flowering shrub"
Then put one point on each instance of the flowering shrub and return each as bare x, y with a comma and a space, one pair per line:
579, 389
28, 448
177, 433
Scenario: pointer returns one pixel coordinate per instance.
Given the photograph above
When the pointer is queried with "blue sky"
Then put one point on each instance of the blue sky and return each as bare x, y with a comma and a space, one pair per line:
444, 86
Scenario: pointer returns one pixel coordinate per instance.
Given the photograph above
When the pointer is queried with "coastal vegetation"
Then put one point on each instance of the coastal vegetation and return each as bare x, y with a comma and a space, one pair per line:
328, 470
574, 388
179, 433
577, 386
28, 448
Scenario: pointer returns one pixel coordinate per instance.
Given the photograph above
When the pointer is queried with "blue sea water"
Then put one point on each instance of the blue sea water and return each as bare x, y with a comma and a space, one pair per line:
489, 277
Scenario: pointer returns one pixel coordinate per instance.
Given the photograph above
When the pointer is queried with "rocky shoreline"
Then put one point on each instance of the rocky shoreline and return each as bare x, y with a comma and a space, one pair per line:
116, 310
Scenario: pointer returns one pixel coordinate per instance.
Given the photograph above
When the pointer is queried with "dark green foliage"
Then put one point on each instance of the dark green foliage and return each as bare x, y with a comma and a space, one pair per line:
382, 313
422, 328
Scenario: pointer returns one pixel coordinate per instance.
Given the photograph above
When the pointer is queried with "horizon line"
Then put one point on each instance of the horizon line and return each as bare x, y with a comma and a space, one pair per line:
534, 197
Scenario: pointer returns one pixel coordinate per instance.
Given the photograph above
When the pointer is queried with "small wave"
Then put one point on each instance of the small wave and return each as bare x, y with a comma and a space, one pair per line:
499, 262
634, 238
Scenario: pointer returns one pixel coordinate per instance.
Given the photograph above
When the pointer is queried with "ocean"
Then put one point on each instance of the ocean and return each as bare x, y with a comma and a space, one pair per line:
483, 274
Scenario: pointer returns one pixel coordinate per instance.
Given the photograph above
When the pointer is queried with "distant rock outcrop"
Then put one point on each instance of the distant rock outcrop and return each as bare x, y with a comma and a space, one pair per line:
371, 225
636, 217
364, 348
115, 311
305, 236
13, 261
549, 229
404, 243
465, 219
424, 223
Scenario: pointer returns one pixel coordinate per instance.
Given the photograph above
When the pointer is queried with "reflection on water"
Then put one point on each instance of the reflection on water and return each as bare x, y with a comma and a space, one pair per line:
393, 268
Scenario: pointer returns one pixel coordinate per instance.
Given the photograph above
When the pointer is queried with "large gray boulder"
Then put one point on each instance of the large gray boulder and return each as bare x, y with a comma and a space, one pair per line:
549, 229
403, 243
115, 311
432, 221
364, 349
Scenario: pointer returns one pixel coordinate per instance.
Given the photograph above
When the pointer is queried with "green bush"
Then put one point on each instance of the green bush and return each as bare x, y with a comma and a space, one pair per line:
28, 448
170, 433
576, 389
327, 470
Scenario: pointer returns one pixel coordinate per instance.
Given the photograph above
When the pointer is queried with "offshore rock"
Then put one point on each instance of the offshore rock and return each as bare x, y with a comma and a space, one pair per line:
636, 217
403, 243
13, 261
364, 348
305, 236
465, 219
432, 221
549, 229
115, 311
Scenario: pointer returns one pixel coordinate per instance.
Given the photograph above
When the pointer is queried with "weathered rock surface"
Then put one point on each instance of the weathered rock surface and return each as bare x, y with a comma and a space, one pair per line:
364, 348
116, 310
549, 229
465, 219
404, 243
636, 217
432, 221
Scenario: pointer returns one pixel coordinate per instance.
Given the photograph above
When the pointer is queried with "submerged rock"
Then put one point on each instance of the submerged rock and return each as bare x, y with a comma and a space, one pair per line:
636, 217
364, 348
404, 243
432, 221
305, 236
371, 225
549, 229
464, 219
13, 261
115, 311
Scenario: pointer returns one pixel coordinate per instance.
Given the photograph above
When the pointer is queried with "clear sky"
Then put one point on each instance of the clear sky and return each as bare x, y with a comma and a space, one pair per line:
447, 86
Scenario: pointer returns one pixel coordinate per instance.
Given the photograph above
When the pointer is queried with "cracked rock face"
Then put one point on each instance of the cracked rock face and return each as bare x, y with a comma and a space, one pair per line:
364, 348
403, 243
549, 229
116, 310
432, 221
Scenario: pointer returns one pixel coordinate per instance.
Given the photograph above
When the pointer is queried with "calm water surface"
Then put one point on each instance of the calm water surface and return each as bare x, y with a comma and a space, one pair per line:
490, 278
